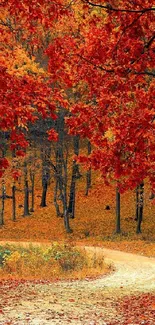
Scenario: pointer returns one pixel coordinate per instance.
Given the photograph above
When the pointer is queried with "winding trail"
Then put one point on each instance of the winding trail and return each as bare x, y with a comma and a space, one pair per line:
80, 302
132, 272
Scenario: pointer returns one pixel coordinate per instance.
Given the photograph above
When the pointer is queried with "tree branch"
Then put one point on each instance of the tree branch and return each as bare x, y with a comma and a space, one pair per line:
110, 8
148, 73
150, 42
95, 65
125, 29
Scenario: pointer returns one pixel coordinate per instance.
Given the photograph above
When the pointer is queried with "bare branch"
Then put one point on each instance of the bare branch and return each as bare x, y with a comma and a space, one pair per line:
150, 42
148, 73
110, 8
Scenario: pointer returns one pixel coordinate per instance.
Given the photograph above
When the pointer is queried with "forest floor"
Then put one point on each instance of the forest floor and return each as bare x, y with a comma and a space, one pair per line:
126, 296
93, 223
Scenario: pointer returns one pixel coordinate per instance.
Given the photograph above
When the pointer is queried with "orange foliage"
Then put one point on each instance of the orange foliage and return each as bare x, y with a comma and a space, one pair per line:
93, 224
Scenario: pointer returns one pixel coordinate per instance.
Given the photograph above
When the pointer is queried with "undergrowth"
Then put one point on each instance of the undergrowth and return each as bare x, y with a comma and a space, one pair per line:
58, 261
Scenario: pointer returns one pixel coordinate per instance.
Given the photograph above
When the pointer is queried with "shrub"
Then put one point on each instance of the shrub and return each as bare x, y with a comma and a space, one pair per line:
68, 257
41, 262
47, 263
4, 252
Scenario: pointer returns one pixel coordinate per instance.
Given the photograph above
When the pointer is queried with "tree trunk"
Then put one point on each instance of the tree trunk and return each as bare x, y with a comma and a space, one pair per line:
88, 174
26, 192
118, 213
76, 146
58, 213
14, 203
46, 154
66, 222
32, 191
140, 207
71, 206
137, 203
4, 143
75, 176
61, 170
2, 205
65, 213
44, 193
64, 198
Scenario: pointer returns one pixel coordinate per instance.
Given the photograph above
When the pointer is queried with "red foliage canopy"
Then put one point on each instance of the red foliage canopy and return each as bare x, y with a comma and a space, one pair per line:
111, 55
104, 52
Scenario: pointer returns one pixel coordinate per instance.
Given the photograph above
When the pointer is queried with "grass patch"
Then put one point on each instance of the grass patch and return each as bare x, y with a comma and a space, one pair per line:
58, 261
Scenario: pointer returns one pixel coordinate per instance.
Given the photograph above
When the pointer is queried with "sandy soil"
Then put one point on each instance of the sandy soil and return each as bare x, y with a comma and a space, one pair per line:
79, 302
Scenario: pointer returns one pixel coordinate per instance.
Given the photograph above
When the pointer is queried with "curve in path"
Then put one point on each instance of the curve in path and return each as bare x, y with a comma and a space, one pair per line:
80, 302
132, 272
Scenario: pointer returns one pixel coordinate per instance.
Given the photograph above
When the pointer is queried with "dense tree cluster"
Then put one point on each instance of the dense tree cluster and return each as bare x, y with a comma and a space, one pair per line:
88, 68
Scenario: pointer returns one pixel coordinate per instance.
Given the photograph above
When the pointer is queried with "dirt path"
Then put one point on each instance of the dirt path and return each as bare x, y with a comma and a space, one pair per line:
80, 302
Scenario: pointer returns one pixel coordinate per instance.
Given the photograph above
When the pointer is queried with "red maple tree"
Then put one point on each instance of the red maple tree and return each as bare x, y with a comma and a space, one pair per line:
104, 53
108, 55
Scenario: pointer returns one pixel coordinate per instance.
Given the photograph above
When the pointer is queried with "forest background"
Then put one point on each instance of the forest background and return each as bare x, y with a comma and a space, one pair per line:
77, 122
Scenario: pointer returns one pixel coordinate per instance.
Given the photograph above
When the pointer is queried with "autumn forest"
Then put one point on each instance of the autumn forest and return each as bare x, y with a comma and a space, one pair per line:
77, 157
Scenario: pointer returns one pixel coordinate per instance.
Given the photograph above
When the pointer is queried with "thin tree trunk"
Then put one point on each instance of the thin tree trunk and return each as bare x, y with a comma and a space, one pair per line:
118, 212
26, 191
140, 208
2, 205
26, 199
66, 221
137, 203
71, 206
75, 175
61, 169
58, 191
44, 178
46, 153
88, 174
58, 213
14, 203
75, 171
76, 146
44, 193
4, 144
32, 191
64, 196
66, 215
